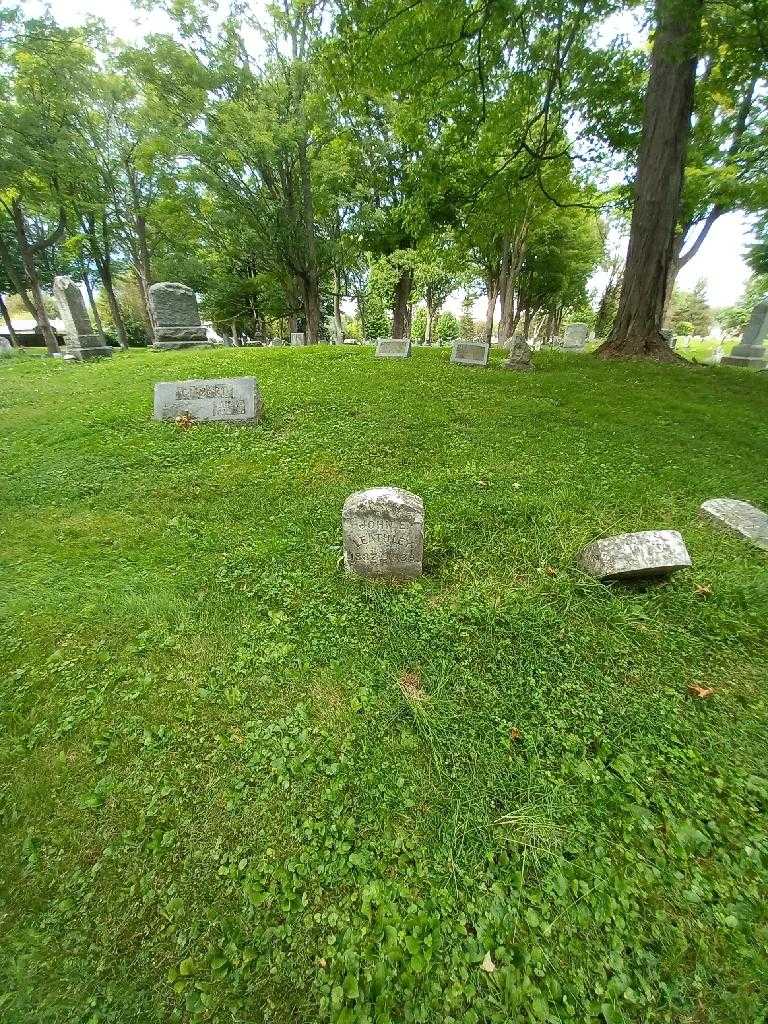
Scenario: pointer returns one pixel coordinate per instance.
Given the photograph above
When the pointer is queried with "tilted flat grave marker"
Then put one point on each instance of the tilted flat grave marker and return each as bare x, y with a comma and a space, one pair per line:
176, 318
739, 517
383, 532
393, 348
644, 555
470, 353
228, 400
81, 341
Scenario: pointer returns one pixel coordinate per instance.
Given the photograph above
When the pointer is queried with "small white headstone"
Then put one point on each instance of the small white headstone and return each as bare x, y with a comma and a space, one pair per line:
297, 339
470, 353
229, 400
650, 553
383, 533
740, 517
393, 348
575, 337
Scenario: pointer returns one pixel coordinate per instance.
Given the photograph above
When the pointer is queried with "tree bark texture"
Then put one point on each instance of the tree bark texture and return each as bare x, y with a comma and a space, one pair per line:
658, 184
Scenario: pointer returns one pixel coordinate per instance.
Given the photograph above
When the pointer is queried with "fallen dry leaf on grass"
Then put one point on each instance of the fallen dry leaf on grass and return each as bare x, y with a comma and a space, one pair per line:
702, 590
515, 734
185, 421
410, 684
550, 570
488, 965
700, 691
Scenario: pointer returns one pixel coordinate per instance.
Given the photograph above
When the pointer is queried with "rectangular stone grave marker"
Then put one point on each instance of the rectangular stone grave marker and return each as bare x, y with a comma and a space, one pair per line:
393, 348
575, 337
627, 556
81, 341
750, 352
176, 318
228, 400
740, 517
383, 530
470, 353
297, 339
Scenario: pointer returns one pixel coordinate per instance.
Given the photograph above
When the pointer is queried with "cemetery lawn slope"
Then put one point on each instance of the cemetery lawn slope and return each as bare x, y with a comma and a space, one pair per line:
238, 787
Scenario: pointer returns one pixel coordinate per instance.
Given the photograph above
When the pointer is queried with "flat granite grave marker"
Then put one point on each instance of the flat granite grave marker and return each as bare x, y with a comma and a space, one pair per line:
575, 337
470, 353
81, 341
297, 339
740, 517
393, 348
750, 351
228, 400
176, 318
383, 532
644, 555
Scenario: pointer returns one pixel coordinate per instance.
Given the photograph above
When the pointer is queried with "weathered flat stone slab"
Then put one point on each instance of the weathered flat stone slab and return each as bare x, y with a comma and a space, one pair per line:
470, 353
176, 318
627, 556
383, 532
297, 339
393, 348
228, 400
740, 517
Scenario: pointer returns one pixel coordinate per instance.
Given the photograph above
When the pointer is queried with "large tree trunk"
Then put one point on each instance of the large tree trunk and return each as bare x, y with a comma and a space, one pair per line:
658, 184
12, 335
16, 281
401, 327
94, 309
338, 323
105, 272
311, 295
30, 269
492, 293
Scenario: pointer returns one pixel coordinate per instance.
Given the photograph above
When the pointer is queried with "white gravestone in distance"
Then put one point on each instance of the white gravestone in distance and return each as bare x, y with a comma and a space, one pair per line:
627, 556
740, 517
229, 400
575, 337
393, 348
175, 317
383, 532
81, 341
470, 353
297, 339
750, 351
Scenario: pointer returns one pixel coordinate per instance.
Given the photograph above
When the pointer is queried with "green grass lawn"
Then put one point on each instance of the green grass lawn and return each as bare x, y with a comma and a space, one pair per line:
221, 803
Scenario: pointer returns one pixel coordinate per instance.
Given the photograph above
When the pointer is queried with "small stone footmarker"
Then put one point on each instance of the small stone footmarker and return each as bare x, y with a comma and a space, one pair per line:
383, 531
651, 554
393, 348
470, 353
740, 517
229, 400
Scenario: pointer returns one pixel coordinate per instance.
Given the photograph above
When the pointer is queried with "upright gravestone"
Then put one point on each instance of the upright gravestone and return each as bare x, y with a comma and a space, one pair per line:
750, 351
669, 337
81, 341
6, 349
175, 317
393, 348
383, 532
717, 356
297, 339
231, 400
519, 357
470, 353
575, 337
